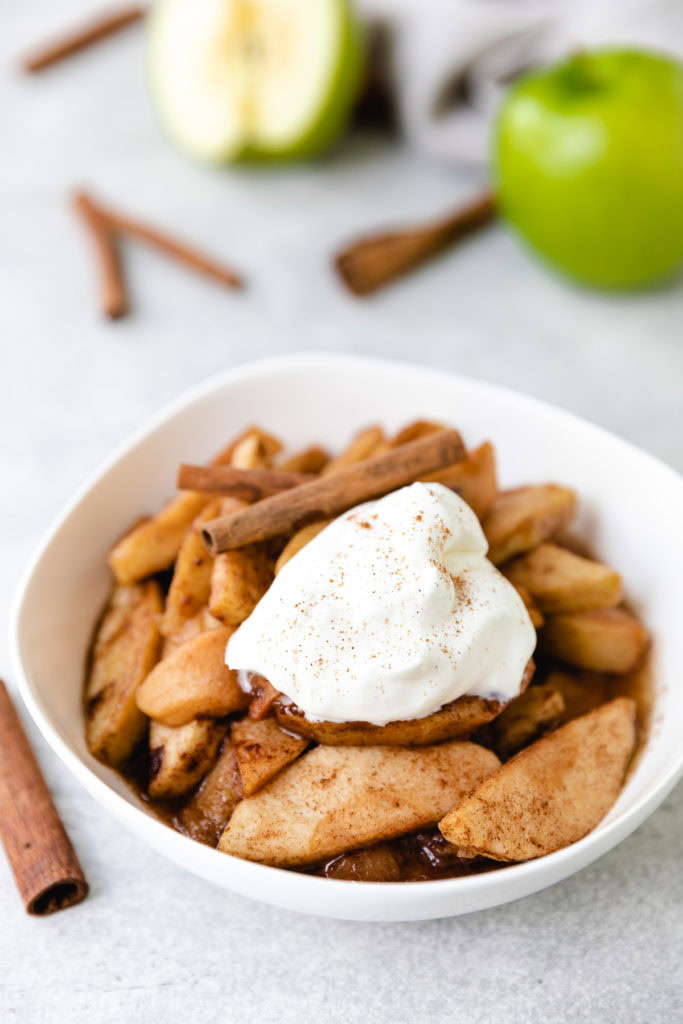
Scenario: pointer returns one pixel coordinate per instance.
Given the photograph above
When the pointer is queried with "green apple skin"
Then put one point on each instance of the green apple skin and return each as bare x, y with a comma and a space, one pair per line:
335, 114
588, 164
326, 128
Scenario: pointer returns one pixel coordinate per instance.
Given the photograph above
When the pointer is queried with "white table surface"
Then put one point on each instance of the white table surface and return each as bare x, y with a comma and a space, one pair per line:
152, 943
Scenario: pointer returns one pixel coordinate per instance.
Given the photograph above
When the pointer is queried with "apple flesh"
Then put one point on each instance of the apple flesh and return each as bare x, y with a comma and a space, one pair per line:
588, 161
253, 79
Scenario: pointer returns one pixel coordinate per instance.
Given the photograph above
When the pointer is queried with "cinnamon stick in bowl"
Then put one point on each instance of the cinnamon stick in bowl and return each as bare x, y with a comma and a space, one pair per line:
329, 495
45, 866
247, 484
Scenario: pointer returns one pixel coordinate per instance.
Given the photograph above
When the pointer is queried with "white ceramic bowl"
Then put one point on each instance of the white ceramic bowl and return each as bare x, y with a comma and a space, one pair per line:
631, 513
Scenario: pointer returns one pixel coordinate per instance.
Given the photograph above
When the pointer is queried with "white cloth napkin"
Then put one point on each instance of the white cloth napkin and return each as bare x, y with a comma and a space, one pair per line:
447, 61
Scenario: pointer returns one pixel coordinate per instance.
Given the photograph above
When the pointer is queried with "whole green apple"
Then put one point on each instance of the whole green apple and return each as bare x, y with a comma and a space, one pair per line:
588, 158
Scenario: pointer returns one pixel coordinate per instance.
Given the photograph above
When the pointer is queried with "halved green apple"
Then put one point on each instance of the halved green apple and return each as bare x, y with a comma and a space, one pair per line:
254, 79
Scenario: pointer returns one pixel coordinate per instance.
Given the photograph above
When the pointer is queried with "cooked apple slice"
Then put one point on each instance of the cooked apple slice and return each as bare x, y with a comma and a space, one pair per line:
523, 719
154, 544
413, 431
535, 614
191, 628
335, 799
456, 720
473, 478
227, 455
552, 793
310, 460
603, 640
364, 445
299, 541
207, 812
262, 698
181, 756
192, 682
521, 519
561, 581
583, 691
255, 450
125, 649
239, 580
267, 79
459, 718
191, 583
262, 749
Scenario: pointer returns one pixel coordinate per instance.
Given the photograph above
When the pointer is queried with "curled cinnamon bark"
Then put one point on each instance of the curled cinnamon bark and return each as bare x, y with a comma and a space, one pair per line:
329, 495
113, 295
105, 226
45, 867
247, 484
179, 250
80, 38
372, 262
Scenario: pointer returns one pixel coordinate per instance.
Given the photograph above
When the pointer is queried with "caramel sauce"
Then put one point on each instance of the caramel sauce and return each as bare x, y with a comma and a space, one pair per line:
423, 856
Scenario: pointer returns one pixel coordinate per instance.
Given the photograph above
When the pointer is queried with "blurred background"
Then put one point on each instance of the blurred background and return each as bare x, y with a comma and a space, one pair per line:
271, 135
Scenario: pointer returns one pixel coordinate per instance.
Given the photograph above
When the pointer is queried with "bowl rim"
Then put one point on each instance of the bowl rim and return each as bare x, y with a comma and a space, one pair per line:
179, 848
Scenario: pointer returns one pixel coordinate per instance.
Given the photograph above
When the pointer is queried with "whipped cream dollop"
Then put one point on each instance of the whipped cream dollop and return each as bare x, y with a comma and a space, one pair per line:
392, 611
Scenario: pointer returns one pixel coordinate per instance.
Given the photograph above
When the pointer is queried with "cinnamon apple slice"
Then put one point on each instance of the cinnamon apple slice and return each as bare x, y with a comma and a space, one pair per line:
456, 720
335, 799
552, 793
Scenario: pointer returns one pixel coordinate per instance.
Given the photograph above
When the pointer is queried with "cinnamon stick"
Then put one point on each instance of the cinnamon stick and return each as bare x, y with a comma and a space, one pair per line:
42, 859
370, 263
247, 484
178, 250
113, 295
329, 495
105, 225
80, 38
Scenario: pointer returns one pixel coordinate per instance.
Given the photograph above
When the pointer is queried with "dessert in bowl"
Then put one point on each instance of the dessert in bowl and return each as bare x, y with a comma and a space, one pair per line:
426, 766
320, 691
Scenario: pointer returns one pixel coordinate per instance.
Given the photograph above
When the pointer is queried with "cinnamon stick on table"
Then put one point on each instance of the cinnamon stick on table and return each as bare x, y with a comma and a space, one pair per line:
329, 495
247, 484
179, 250
85, 35
375, 261
40, 854
105, 226
113, 295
